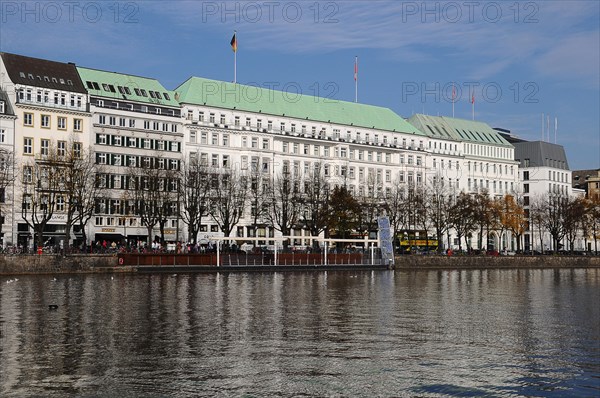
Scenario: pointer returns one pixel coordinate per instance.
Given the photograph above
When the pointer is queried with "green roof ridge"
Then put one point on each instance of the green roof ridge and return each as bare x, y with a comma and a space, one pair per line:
474, 131
220, 94
125, 80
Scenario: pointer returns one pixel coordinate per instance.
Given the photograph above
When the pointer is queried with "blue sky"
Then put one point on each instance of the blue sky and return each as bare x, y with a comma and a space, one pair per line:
521, 59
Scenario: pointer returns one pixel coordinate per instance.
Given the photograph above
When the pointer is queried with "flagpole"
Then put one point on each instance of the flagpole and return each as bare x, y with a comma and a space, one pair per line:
356, 79
555, 128
235, 59
453, 98
542, 126
473, 104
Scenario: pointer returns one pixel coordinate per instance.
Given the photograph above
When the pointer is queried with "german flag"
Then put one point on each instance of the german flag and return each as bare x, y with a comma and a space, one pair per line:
234, 43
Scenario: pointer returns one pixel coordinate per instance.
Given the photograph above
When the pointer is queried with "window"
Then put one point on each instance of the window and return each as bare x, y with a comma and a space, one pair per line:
131, 142
61, 148
525, 188
265, 143
28, 119
27, 174
62, 123
44, 147
254, 142
132, 123
101, 139
60, 203
2, 107
27, 146
2, 135
77, 149
77, 124
526, 176
225, 139
46, 121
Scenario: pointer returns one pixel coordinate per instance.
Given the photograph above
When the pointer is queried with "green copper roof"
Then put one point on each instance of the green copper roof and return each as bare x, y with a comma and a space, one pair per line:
126, 87
226, 95
457, 129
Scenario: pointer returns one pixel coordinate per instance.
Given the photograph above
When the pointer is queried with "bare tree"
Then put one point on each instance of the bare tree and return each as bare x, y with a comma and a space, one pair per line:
372, 203
7, 178
81, 187
284, 204
228, 198
574, 217
152, 187
43, 187
482, 216
440, 200
593, 211
315, 202
258, 197
394, 207
462, 217
537, 213
194, 196
555, 207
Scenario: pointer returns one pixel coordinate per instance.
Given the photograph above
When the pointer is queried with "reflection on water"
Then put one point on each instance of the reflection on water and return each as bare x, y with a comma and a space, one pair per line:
381, 333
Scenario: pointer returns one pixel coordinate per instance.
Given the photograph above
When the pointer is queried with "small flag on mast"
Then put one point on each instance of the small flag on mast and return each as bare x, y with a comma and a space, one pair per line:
453, 98
234, 42
356, 79
473, 104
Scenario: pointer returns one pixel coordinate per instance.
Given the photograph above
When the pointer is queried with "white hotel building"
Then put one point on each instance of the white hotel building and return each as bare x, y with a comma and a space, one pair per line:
233, 125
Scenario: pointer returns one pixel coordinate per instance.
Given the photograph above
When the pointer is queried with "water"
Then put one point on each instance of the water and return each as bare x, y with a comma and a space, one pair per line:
360, 334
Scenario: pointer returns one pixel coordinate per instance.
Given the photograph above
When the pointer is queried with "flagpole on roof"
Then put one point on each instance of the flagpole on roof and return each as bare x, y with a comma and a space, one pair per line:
543, 126
555, 128
234, 48
453, 98
473, 104
356, 79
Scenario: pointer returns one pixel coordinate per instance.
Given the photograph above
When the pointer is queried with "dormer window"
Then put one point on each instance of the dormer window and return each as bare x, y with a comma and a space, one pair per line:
22, 75
2, 107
